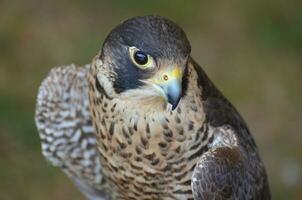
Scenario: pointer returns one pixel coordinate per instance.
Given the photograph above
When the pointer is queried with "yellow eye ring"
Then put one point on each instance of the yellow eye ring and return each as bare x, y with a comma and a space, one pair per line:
141, 59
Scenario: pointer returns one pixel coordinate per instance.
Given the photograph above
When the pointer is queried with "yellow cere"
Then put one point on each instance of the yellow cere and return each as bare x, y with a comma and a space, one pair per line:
175, 73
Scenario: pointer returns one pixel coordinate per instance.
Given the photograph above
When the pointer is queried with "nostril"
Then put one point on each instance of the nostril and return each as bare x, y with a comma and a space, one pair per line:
165, 77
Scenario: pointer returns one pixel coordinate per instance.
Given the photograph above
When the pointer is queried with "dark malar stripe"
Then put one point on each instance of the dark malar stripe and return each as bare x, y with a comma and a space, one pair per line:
100, 88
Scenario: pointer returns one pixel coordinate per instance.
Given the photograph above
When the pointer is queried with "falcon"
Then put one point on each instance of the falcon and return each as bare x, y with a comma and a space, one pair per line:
144, 121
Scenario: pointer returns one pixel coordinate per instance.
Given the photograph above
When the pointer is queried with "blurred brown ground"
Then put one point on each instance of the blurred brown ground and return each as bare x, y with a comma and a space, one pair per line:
252, 50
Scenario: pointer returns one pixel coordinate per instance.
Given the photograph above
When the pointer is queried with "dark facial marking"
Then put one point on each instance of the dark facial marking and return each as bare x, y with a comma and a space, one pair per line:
153, 35
101, 89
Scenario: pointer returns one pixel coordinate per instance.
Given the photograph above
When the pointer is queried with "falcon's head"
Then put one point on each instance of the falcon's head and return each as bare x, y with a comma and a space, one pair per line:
143, 61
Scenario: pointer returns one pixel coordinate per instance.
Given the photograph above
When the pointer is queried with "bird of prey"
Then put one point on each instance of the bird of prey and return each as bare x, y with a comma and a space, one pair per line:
144, 121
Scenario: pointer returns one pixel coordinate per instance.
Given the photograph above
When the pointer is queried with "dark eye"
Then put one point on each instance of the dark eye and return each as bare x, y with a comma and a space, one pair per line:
140, 57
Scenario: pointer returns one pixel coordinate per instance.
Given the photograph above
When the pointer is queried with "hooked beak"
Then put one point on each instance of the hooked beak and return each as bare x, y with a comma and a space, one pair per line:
169, 85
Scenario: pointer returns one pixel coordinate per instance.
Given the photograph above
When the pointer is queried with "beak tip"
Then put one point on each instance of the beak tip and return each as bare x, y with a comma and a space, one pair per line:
174, 102
173, 107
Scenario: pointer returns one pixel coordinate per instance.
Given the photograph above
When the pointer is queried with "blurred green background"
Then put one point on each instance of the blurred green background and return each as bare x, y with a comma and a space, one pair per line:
252, 50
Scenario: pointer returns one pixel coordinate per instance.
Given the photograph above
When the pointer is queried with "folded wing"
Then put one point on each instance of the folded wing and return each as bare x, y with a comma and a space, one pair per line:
65, 128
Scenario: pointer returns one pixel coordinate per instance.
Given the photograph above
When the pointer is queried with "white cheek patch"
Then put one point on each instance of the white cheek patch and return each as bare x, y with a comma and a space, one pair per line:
144, 98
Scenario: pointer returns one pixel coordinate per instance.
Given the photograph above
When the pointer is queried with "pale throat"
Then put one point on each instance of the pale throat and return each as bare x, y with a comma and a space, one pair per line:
145, 102
130, 110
